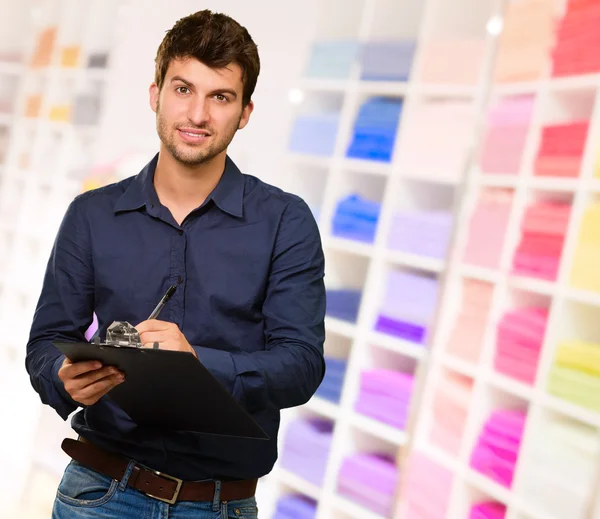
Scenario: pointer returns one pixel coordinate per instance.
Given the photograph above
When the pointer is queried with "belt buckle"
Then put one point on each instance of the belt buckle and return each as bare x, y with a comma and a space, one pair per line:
177, 489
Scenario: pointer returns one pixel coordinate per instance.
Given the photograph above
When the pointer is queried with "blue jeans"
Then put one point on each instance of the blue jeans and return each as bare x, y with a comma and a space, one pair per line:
85, 494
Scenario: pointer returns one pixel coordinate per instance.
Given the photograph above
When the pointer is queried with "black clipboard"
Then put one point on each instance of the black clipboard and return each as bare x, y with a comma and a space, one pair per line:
169, 390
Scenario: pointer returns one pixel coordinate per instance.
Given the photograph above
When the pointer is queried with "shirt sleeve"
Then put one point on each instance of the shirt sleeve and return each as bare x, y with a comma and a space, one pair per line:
64, 310
291, 367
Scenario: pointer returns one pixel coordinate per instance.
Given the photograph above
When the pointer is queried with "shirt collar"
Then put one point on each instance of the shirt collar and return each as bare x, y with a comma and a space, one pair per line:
228, 194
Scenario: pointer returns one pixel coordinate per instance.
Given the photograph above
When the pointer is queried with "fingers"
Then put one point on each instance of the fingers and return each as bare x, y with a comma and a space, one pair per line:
71, 370
152, 337
92, 393
154, 325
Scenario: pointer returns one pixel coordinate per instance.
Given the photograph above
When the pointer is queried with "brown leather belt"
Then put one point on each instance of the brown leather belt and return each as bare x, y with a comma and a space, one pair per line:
151, 482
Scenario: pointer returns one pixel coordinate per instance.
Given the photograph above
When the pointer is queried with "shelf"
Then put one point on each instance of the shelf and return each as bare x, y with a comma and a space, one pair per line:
383, 88
325, 84
496, 180
536, 286
297, 483
574, 83
445, 90
430, 178
323, 407
379, 429
582, 296
416, 261
407, 348
352, 509
510, 385
349, 246
340, 327
488, 486
459, 365
480, 273
370, 167
571, 410
316, 161
553, 184
516, 89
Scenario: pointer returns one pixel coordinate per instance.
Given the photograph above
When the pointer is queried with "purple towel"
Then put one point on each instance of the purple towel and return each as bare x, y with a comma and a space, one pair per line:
488, 510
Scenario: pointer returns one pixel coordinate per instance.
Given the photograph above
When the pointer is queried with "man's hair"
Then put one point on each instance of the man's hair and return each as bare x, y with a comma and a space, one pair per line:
214, 39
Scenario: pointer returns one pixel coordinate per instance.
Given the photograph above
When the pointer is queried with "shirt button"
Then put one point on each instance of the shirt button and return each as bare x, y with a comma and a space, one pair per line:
180, 280
180, 232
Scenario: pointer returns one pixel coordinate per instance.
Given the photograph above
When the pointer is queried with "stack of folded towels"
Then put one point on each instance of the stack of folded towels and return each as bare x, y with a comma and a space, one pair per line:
505, 135
306, 448
370, 480
438, 139
488, 510
451, 403
560, 467
356, 218
497, 449
333, 382
575, 374
525, 41
585, 273
451, 60
424, 233
385, 396
295, 507
578, 39
315, 133
425, 492
543, 234
469, 328
375, 129
387, 60
519, 340
343, 304
561, 149
490, 218
332, 59
408, 306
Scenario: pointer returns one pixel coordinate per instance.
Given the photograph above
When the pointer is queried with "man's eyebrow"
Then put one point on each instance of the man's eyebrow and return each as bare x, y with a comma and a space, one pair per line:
184, 81
229, 91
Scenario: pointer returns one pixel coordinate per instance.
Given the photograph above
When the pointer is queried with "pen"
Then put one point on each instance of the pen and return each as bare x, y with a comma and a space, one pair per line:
163, 302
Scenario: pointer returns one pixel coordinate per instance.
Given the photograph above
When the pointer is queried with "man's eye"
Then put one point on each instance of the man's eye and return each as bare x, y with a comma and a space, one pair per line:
183, 90
220, 97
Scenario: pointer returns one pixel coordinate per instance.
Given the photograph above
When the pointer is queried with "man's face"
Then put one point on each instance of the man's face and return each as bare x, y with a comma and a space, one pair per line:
198, 110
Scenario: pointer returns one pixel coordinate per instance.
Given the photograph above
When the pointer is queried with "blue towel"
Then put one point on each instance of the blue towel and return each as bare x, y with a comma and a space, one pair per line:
375, 129
295, 507
356, 218
343, 304
332, 59
387, 61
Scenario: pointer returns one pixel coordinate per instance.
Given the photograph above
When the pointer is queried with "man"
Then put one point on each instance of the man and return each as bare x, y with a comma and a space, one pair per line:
250, 303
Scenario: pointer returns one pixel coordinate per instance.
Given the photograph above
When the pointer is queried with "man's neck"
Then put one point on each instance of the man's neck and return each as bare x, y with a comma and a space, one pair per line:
183, 188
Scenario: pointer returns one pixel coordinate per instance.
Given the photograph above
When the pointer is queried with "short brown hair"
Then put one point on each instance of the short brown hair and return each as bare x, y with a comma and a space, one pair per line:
214, 39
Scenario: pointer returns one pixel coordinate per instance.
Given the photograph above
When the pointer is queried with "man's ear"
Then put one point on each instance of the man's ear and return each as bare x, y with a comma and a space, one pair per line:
154, 93
246, 115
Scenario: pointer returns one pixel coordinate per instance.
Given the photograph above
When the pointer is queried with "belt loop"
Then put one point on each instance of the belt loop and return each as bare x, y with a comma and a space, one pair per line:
217, 498
125, 478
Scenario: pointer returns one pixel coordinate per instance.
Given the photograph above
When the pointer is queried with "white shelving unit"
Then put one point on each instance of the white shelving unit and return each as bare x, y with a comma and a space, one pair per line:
322, 181
555, 101
60, 69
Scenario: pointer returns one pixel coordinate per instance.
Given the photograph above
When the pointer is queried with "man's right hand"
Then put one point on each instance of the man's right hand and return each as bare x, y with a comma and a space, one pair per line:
87, 382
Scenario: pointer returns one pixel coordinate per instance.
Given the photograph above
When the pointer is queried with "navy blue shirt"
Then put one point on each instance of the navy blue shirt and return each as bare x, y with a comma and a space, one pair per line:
250, 299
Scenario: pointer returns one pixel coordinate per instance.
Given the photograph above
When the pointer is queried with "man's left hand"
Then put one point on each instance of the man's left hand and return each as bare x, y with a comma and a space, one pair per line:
167, 335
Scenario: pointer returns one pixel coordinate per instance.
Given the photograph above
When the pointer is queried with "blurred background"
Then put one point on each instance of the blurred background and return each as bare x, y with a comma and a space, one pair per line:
449, 151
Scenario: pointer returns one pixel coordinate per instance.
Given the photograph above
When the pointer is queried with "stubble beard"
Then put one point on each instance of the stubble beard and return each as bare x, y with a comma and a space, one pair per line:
189, 155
